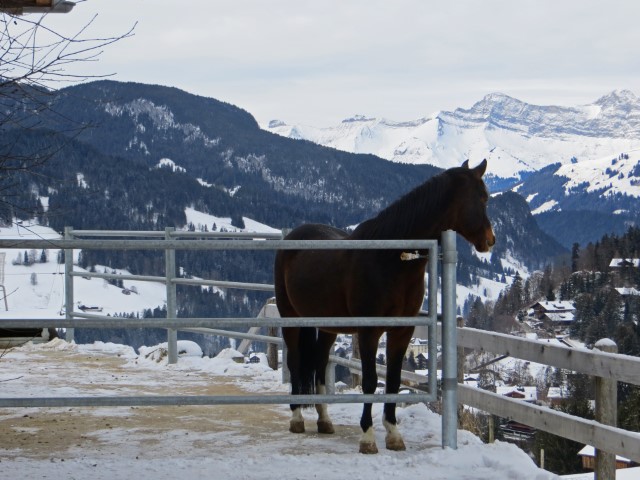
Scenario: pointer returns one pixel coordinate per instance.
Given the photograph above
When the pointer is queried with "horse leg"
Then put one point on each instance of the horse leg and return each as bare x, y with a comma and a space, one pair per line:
291, 336
368, 339
397, 342
324, 347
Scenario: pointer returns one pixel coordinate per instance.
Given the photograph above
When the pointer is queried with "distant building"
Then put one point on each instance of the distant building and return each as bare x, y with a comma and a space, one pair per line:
526, 394
588, 455
624, 262
557, 315
417, 346
627, 292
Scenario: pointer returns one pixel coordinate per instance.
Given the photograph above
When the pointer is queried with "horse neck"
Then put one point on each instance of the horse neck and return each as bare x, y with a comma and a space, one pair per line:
423, 213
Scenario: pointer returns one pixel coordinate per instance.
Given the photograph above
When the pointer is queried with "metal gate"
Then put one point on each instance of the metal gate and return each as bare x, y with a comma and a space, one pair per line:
171, 240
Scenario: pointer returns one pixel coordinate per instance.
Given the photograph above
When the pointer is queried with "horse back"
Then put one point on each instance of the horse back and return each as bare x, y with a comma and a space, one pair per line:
316, 231
310, 282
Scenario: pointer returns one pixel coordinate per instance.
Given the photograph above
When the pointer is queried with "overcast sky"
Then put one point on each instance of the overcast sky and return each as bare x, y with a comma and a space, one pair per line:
319, 62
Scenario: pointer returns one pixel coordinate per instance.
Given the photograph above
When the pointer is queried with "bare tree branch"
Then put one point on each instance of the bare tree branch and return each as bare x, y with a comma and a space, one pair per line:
34, 62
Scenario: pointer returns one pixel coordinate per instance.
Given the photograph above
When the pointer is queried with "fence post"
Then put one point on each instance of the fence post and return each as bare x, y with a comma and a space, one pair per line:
449, 342
272, 348
606, 413
68, 284
460, 365
330, 378
172, 310
286, 374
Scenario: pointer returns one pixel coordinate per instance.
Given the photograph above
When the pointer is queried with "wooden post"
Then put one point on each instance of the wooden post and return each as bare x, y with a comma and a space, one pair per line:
272, 349
492, 437
606, 413
460, 324
355, 355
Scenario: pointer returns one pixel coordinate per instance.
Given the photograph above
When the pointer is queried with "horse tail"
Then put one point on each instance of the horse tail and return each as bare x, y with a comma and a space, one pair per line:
308, 339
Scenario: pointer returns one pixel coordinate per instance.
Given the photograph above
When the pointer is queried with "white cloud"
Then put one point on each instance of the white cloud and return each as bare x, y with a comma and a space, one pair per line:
317, 62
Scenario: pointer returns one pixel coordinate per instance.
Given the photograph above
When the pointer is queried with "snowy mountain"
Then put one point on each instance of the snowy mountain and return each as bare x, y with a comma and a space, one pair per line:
515, 136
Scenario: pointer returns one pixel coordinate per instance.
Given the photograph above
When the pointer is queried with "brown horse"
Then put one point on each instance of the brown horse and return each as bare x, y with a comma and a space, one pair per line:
372, 283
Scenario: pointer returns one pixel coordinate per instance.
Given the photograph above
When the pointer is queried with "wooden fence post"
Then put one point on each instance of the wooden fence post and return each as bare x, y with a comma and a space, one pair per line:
606, 413
272, 349
460, 324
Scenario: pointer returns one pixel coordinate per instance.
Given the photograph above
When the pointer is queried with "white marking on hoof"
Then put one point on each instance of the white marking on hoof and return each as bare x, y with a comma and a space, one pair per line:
368, 442
324, 421
296, 424
393, 440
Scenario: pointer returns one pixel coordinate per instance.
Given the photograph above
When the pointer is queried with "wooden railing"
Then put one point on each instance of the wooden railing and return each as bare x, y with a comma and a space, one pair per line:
608, 368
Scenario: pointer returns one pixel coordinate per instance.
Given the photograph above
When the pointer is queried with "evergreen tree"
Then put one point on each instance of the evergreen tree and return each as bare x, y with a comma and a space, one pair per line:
575, 256
561, 454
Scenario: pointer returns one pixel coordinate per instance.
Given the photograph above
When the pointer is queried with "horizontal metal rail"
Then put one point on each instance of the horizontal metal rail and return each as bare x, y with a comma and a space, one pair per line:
381, 370
175, 234
624, 368
265, 287
604, 437
89, 320
153, 401
231, 334
98, 244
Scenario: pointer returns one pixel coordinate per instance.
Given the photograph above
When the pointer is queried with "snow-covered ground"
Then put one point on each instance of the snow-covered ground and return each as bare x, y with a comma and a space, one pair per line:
37, 290
231, 448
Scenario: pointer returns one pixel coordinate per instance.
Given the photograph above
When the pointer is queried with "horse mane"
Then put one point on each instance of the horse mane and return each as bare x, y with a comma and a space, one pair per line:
416, 211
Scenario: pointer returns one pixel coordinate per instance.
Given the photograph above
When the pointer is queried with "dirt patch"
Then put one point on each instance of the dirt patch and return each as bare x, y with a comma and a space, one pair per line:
68, 432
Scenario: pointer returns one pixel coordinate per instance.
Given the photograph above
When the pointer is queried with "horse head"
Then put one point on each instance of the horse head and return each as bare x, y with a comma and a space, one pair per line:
469, 209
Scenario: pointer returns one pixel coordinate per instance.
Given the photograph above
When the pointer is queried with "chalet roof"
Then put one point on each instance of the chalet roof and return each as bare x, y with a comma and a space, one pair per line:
561, 317
528, 394
626, 291
556, 392
556, 306
589, 451
624, 262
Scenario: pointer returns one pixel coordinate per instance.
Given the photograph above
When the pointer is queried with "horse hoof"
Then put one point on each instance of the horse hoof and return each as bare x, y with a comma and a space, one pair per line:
325, 426
296, 426
395, 443
368, 448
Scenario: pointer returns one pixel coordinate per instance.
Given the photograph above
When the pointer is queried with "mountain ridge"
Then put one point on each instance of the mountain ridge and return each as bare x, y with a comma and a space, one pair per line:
516, 136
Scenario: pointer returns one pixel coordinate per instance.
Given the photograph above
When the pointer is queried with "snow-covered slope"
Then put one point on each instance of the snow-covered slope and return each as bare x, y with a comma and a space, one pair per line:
610, 176
36, 289
513, 135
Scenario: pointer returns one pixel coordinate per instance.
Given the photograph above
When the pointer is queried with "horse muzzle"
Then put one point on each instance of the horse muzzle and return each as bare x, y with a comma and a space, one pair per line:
491, 239
486, 243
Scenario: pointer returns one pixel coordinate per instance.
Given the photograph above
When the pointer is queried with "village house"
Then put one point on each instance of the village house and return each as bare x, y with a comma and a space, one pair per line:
556, 395
557, 315
526, 394
417, 346
588, 455
627, 291
625, 270
624, 262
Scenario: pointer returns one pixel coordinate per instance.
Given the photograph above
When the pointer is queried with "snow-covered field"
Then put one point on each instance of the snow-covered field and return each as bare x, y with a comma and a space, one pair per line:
37, 290
216, 442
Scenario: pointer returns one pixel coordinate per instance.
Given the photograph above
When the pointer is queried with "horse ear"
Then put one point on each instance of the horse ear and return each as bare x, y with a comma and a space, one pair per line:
465, 164
480, 169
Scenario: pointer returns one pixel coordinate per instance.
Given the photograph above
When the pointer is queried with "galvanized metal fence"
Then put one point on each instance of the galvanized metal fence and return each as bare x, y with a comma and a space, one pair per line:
172, 240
